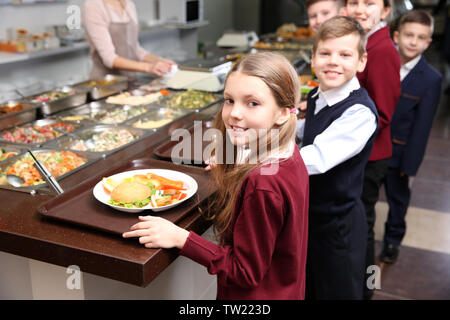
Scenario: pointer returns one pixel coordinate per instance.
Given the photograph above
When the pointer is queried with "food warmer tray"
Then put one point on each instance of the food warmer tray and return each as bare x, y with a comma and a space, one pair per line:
40, 123
87, 114
124, 108
158, 114
103, 87
91, 158
79, 97
10, 148
66, 142
163, 101
78, 205
27, 114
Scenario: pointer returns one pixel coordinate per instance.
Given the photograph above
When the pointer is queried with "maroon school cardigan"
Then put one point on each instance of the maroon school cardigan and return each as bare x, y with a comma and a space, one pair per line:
381, 79
265, 255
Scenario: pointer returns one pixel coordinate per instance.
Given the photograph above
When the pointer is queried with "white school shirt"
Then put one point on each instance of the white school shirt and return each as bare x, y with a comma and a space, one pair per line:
344, 138
407, 67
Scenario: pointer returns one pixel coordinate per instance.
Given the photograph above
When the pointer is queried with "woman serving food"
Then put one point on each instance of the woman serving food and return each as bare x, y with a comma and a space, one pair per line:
112, 31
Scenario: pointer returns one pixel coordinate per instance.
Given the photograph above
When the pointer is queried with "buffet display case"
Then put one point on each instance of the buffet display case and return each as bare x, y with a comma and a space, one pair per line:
157, 118
99, 139
36, 133
59, 99
100, 88
59, 162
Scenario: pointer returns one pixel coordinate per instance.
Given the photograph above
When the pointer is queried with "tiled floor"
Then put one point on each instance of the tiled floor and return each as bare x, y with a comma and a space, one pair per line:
422, 270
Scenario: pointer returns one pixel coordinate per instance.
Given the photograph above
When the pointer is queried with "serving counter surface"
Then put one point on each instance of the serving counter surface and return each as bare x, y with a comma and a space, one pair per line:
25, 232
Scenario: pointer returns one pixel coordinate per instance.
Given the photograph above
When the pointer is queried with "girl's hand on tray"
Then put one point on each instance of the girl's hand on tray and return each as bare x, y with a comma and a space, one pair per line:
157, 232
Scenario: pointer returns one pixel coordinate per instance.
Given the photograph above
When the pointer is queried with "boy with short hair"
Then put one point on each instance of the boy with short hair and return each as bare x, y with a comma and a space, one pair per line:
337, 139
411, 123
320, 11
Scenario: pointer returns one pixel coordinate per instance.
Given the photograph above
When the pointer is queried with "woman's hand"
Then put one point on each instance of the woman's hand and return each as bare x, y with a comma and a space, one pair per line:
157, 232
159, 67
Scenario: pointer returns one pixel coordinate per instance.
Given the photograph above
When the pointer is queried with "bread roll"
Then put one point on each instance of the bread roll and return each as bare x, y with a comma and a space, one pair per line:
128, 192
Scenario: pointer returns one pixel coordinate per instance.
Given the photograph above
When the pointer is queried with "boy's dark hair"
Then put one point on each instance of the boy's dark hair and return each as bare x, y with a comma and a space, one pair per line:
417, 16
308, 3
341, 26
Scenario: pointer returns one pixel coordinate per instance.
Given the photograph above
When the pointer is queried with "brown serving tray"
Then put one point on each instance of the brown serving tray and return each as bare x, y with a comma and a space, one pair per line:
79, 206
164, 151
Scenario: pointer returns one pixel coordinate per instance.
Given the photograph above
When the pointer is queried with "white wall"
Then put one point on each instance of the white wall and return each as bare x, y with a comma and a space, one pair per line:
219, 13
34, 17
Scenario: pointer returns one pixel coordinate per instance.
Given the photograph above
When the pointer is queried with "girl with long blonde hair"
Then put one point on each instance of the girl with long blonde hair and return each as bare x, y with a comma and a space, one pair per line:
261, 206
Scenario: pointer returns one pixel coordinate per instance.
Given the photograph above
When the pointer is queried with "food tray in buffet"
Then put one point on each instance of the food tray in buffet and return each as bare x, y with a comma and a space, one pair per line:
137, 97
36, 133
8, 151
87, 114
59, 99
119, 114
61, 163
14, 113
79, 206
157, 118
103, 87
189, 99
99, 139
195, 155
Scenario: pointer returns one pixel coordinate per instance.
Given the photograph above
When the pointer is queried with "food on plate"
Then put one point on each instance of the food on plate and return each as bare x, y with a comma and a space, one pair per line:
122, 114
131, 193
141, 190
134, 100
190, 99
109, 184
36, 134
51, 96
6, 155
105, 141
57, 162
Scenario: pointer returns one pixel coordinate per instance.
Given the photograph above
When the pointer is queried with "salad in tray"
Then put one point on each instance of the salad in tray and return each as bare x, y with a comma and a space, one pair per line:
57, 162
137, 190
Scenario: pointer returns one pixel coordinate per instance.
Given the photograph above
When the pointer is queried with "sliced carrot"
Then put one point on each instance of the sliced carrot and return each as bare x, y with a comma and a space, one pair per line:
182, 196
166, 183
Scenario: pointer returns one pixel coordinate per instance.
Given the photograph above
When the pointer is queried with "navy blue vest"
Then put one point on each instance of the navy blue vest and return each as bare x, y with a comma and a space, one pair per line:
336, 191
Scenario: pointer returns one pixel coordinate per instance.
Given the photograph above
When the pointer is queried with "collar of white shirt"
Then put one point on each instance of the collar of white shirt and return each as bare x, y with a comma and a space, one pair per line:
335, 95
377, 27
407, 67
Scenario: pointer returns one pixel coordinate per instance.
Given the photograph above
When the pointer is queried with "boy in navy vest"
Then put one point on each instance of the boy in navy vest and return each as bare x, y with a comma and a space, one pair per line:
411, 123
337, 138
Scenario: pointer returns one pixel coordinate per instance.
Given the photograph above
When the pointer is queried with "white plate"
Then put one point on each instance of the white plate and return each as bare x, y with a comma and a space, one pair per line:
189, 182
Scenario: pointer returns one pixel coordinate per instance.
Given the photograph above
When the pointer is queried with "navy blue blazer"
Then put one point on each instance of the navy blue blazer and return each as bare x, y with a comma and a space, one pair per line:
413, 117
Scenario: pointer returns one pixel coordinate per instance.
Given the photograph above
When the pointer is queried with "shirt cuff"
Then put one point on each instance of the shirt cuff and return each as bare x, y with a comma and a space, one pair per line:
199, 249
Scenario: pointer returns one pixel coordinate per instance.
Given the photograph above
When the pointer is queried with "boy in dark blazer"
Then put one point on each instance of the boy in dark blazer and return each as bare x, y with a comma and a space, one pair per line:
411, 122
